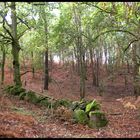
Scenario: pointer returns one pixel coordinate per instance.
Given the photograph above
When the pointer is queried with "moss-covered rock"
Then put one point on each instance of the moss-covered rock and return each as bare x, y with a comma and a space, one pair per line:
82, 104
46, 103
79, 105
64, 102
94, 105
61, 102
14, 90
80, 116
31, 96
22, 95
7, 88
97, 119
74, 105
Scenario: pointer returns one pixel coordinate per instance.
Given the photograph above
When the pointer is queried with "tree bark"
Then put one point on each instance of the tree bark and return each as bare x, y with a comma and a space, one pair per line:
136, 72
92, 68
15, 46
46, 80
46, 66
80, 50
33, 69
3, 64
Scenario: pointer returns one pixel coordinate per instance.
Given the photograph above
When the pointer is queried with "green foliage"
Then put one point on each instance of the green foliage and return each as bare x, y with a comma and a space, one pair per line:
80, 116
14, 90
97, 119
94, 105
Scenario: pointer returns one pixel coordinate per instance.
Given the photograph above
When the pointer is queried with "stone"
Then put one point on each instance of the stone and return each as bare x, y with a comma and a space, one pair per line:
97, 119
80, 116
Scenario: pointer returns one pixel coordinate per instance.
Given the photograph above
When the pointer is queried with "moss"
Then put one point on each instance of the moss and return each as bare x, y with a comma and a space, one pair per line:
14, 90
82, 104
94, 105
80, 116
7, 88
31, 96
79, 104
64, 102
22, 95
97, 119
74, 105
46, 103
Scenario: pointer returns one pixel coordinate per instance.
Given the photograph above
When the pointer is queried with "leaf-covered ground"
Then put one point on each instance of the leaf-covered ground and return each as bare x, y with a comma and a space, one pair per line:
20, 118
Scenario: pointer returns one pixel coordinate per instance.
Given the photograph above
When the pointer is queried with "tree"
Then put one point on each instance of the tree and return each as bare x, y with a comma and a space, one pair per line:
15, 45
13, 35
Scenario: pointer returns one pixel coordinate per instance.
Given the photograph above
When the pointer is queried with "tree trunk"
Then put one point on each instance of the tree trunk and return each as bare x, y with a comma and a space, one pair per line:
3, 64
105, 52
77, 59
33, 69
16, 65
80, 50
15, 46
97, 72
73, 64
46, 69
82, 74
46, 80
136, 72
51, 61
92, 68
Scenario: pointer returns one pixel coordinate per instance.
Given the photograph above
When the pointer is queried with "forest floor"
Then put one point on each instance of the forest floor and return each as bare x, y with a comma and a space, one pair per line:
19, 118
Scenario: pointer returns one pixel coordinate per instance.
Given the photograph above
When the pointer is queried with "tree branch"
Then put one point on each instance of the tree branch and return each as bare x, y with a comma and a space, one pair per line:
108, 31
129, 45
5, 37
4, 19
27, 72
7, 30
22, 34
108, 12
24, 22
115, 30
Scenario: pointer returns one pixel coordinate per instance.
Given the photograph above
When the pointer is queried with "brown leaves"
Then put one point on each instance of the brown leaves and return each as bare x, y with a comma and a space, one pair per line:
17, 125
